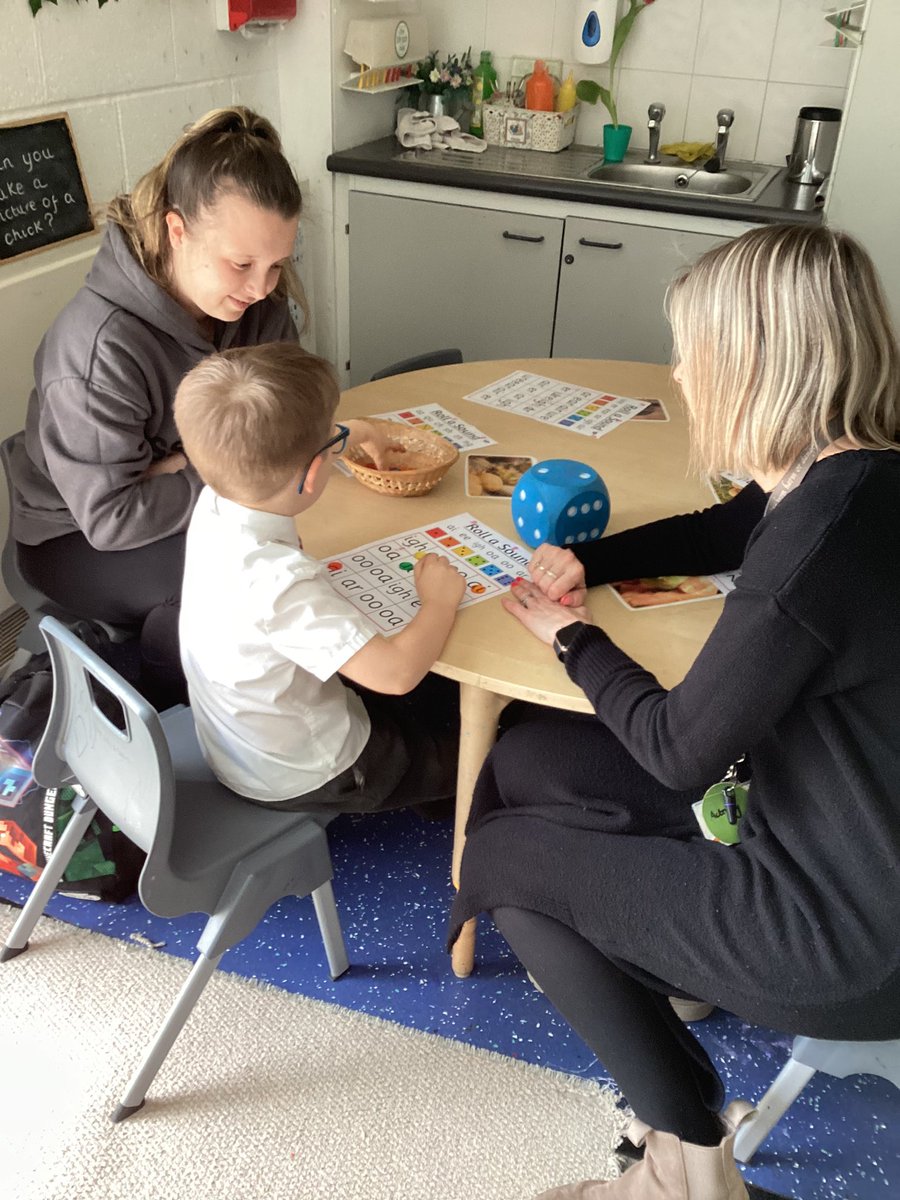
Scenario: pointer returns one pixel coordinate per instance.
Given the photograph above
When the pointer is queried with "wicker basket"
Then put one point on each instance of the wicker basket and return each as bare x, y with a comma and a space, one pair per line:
430, 456
529, 129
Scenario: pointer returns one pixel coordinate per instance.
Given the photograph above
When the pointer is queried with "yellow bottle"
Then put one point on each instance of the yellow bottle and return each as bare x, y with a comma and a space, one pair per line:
566, 98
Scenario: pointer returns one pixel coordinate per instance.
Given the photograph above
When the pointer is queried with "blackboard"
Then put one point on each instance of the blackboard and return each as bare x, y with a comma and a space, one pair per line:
43, 198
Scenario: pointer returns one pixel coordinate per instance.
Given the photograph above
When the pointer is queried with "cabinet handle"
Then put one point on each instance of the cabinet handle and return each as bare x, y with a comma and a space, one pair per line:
601, 245
521, 237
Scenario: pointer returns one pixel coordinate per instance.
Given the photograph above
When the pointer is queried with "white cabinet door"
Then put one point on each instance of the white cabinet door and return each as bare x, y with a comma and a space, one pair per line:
429, 276
612, 283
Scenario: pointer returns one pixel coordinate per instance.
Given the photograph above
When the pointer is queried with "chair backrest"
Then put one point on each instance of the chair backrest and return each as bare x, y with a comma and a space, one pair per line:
126, 771
434, 358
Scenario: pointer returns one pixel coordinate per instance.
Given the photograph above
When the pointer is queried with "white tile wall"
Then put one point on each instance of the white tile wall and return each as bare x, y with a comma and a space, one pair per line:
763, 58
130, 75
20, 62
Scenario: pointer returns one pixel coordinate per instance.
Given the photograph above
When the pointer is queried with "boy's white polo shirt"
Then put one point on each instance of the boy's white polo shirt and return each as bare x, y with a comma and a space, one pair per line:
263, 635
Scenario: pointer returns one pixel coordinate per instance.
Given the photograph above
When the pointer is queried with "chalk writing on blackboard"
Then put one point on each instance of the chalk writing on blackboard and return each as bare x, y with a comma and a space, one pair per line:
43, 197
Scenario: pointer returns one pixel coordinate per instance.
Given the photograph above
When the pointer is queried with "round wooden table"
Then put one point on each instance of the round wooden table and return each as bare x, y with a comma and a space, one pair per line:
494, 659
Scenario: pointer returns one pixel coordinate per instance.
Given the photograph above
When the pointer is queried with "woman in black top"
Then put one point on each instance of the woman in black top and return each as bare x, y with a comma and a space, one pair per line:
582, 842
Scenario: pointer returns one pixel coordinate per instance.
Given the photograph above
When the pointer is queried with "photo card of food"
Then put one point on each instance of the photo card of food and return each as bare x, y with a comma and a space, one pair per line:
494, 476
666, 590
655, 410
725, 487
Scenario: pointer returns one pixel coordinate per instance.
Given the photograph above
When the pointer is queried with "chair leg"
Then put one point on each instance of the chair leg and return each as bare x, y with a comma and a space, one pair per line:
169, 1031
791, 1081
83, 810
330, 927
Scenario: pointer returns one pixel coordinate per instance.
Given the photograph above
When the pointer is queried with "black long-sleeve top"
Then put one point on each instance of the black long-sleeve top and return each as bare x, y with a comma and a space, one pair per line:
802, 671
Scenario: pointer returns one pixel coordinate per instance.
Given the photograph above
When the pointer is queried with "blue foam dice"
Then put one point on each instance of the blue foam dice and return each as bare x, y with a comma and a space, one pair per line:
560, 501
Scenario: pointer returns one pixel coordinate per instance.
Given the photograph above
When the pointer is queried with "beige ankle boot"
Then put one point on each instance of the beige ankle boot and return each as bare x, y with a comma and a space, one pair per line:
670, 1170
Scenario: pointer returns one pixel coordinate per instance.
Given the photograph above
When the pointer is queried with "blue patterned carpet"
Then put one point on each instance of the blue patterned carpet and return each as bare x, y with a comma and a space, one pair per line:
839, 1141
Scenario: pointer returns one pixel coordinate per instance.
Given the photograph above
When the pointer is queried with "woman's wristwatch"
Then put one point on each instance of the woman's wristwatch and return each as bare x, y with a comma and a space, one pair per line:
564, 639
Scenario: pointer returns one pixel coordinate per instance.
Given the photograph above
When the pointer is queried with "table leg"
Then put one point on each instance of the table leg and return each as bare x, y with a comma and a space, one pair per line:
479, 712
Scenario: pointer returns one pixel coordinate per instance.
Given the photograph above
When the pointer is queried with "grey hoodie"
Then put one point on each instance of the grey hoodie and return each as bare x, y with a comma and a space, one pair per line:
101, 410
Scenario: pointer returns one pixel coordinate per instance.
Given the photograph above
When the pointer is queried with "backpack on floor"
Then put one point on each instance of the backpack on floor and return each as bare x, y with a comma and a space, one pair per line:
106, 865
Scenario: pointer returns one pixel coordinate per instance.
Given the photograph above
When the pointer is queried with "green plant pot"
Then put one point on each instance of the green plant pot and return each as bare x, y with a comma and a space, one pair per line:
615, 142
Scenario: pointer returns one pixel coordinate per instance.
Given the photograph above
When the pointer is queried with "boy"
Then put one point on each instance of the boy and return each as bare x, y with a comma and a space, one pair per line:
265, 639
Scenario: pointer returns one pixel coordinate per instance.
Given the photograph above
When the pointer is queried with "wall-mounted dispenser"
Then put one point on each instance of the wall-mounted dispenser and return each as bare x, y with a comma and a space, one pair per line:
595, 25
253, 17
386, 49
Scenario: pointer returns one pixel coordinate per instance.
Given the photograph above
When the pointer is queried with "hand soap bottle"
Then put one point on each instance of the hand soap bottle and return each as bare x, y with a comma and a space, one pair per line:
484, 84
595, 27
539, 89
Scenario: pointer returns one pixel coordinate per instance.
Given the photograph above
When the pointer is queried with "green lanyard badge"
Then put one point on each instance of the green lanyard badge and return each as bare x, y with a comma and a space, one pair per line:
720, 811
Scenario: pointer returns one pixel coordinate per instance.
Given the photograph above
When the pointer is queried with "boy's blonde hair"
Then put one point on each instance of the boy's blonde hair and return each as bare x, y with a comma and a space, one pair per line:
250, 418
781, 334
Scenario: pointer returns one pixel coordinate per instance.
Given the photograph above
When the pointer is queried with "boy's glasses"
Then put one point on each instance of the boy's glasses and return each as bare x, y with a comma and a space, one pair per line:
339, 440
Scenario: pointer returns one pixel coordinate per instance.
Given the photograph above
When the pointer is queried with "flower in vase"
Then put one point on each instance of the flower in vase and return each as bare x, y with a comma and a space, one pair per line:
454, 73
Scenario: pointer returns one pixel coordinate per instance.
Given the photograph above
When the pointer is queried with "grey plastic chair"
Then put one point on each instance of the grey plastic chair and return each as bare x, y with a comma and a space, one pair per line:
207, 849
25, 594
434, 358
809, 1055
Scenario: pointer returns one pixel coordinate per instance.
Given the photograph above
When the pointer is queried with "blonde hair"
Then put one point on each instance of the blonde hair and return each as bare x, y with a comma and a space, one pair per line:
227, 150
783, 335
250, 418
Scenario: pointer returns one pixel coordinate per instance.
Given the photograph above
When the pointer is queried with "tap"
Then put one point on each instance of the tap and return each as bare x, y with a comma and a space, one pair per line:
724, 121
655, 113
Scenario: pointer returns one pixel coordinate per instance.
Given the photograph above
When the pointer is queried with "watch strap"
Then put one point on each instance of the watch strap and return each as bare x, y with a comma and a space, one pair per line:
564, 638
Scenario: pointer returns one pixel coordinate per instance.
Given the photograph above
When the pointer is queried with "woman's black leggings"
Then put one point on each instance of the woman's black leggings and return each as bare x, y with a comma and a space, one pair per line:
662, 1070
132, 588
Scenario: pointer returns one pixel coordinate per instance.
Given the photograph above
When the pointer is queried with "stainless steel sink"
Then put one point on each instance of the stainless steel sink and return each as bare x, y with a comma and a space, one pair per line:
741, 181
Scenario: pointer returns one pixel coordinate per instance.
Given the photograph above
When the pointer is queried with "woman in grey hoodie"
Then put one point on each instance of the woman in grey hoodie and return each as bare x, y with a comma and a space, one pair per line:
195, 259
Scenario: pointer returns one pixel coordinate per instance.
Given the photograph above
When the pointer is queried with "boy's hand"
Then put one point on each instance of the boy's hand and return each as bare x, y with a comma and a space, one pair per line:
438, 581
559, 575
166, 466
372, 440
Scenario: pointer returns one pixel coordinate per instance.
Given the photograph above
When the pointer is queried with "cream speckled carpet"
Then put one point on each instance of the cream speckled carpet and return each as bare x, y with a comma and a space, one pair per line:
264, 1095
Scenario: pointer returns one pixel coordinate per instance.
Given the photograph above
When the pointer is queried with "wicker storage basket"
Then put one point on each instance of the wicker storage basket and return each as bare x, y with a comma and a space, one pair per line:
527, 128
423, 462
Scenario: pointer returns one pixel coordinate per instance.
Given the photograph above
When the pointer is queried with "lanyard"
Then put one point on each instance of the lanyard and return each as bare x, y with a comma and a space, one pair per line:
797, 471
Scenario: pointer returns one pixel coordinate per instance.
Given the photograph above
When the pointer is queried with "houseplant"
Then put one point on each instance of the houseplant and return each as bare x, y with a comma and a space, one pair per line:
615, 136
36, 5
445, 87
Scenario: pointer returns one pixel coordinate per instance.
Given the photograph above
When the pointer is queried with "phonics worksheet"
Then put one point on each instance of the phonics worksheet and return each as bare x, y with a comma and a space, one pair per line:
566, 405
377, 578
437, 419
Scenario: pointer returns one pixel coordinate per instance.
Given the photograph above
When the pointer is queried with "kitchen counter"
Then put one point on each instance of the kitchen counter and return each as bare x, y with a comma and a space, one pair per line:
563, 176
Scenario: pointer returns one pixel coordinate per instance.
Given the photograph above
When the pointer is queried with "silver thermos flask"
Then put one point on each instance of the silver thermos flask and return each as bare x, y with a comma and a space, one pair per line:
815, 140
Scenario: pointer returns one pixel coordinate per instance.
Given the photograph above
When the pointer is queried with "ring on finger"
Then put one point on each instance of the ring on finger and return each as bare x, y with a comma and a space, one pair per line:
552, 574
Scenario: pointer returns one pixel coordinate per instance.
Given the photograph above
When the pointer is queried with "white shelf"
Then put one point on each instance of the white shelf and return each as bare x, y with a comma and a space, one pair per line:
352, 84
850, 34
